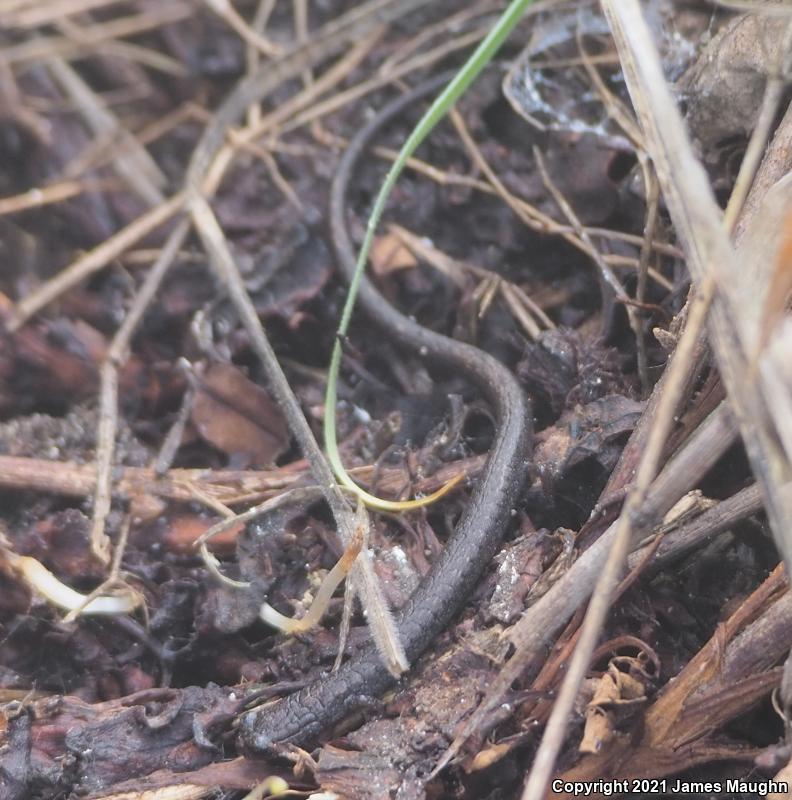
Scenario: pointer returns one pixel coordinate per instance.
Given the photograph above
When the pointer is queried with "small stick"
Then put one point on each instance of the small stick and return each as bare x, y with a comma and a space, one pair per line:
231, 487
42, 48
54, 193
112, 579
577, 226
537, 220
704, 527
330, 583
17, 15
93, 261
252, 55
542, 621
228, 275
108, 395
230, 520
522, 307
173, 438
682, 359
226, 11
650, 224
774, 92
133, 164
631, 517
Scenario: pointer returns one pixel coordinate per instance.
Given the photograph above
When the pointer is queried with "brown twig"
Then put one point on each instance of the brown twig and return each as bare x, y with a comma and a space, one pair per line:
135, 166
228, 275
526, 311
42, 47
25, 14
537, 220
541, 623
54, 193
663, 133
93, 261
117, 354
253, 54
679, 369
231, 487
226, 11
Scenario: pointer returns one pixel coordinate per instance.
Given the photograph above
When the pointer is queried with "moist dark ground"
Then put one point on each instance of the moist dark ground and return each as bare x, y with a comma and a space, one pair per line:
99, 705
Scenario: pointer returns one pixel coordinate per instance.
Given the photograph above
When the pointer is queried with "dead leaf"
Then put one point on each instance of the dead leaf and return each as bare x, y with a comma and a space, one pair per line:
61, 541
586, 431
598, 731
488, 756
64, 356
724, 88
390, 254
288, 289
618, 691
238, 417
180, 534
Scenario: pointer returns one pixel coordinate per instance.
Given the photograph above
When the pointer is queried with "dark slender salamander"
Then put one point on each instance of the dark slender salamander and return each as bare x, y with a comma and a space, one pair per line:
301, 716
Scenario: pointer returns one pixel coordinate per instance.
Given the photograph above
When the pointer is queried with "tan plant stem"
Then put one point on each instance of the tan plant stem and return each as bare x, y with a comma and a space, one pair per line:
678, 373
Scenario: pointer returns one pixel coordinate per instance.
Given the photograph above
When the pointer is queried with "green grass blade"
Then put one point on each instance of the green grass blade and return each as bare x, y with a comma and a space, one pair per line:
439, 108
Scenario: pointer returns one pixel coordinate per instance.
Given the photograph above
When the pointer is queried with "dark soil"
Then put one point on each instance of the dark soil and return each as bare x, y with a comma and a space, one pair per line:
105, 705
